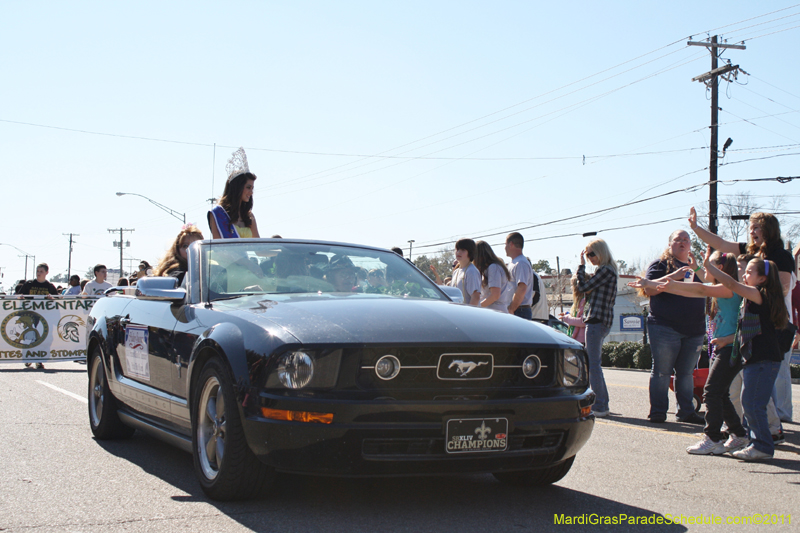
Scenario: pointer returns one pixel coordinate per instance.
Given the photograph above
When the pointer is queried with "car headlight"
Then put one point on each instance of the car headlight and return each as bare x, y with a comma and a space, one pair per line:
295, 370
575, 371
305, 368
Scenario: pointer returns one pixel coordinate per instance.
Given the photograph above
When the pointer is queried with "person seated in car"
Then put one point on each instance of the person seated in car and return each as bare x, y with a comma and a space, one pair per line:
174, 262
341, 273
376, 279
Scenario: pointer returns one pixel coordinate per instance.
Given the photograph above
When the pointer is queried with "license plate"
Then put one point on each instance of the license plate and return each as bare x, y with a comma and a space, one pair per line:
469, 435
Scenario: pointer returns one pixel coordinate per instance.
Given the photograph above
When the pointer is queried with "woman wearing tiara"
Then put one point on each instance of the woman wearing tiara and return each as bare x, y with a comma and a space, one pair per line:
232, 217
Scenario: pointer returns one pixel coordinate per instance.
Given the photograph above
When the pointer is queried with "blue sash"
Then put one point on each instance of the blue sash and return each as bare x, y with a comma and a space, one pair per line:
224, 225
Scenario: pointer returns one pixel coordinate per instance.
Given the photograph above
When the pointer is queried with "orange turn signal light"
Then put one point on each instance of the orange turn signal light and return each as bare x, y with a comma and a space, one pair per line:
297, 416
586, 411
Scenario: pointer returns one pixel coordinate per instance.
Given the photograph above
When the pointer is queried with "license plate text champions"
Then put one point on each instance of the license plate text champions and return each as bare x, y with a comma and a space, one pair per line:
477, 435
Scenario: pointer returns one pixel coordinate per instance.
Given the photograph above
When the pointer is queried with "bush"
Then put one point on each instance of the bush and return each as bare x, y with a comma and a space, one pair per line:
795, 370
643, 358
605, 353
622, 356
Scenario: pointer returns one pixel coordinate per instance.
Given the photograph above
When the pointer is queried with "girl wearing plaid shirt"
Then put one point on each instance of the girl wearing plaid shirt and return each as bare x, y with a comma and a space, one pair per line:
601, 293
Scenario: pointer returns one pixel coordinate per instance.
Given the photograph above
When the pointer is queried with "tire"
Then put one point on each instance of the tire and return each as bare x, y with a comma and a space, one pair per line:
697, 402
103, 417
538, 477
225, 466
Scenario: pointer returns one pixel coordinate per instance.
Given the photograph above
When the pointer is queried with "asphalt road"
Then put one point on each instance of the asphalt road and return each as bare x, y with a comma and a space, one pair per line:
55, 477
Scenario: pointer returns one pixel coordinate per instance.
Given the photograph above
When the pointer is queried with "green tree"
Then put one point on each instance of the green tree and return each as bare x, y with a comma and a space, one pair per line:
542, 266
442, 263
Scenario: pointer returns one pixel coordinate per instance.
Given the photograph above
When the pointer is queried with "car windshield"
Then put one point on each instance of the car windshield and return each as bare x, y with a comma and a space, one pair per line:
235, 268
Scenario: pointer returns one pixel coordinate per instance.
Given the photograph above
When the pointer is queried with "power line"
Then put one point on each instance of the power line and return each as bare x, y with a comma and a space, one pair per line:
779, 179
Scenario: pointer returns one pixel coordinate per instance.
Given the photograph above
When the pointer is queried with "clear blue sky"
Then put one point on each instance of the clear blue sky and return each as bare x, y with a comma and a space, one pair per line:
315, 90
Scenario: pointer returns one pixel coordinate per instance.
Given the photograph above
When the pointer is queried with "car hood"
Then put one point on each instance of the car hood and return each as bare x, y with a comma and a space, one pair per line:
375, 319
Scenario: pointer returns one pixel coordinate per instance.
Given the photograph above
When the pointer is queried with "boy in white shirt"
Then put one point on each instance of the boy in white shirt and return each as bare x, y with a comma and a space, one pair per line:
98, 285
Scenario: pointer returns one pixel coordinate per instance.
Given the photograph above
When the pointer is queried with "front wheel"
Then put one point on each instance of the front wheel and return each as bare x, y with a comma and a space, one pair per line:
225, 465
103, 417
538, 477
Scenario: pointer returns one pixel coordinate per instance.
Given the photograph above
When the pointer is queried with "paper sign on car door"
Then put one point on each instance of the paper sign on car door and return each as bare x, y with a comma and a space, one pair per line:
137, 352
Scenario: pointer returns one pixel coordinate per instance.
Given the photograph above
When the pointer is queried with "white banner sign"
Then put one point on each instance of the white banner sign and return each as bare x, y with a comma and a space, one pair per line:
38, 329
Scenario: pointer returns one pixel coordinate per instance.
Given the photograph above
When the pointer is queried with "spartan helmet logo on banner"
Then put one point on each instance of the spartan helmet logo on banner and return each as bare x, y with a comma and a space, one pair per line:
69, 328
24, 329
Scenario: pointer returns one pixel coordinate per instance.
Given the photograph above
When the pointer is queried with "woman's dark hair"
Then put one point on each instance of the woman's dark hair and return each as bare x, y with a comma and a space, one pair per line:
770, 233
122, 282
772, 293
231, 200
467, 245
484, 256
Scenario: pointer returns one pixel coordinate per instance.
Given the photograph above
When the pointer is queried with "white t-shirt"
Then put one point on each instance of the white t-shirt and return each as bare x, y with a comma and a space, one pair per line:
93, 288
467, 282
522, 272
497, 278
542, 309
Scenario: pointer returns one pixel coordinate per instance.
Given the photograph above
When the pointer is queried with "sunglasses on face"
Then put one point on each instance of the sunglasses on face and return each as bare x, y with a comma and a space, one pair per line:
590, 254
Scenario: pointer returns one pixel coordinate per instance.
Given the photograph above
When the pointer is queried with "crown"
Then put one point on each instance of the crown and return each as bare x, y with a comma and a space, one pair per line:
237, 164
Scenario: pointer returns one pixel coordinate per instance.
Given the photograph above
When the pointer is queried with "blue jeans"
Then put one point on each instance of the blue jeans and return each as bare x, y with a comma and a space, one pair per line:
524, 312
595, 333
758, 380
782, 393
672, 351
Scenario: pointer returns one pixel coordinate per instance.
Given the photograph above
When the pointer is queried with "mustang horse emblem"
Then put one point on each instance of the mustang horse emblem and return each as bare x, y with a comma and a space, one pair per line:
465, 367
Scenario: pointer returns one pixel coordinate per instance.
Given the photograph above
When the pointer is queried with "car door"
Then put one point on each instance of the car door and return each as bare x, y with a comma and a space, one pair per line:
145, 356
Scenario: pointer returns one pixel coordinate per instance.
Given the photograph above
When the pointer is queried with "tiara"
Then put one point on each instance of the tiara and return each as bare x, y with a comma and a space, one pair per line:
237, 164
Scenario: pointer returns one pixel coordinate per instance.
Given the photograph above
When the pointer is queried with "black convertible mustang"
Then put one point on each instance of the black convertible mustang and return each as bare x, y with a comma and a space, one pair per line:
331, 359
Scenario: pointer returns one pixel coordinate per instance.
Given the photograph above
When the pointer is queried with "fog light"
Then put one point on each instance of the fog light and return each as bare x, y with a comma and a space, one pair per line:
387, 367
295, 370
531, 366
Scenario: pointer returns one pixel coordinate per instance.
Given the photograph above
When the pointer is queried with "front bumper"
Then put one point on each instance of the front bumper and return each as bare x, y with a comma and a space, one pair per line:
389, 437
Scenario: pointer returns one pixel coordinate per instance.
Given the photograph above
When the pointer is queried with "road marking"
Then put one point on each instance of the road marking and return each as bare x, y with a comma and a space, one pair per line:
68, 393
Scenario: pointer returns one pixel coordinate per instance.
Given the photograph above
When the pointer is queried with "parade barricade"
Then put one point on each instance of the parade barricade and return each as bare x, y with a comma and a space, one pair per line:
36, 329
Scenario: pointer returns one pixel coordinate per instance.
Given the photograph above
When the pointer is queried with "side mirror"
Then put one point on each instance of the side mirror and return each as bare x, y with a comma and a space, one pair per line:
160, 288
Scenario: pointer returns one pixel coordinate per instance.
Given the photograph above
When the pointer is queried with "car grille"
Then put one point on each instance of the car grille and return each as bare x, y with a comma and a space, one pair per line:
543, 443
501, 367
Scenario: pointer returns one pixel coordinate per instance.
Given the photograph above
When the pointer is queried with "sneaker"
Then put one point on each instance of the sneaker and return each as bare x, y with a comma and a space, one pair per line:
600, 414
657, 419
735, 443
751, 454
693, 418
27, 365
706, 446
39, 366
778, 438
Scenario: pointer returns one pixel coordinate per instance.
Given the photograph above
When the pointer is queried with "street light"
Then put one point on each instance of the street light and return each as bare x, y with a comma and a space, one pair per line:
176, 214
410, 247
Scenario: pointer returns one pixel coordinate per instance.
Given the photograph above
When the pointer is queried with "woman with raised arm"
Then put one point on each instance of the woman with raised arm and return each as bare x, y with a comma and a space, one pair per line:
716, 396
601, 294
233, 215
677, 325
765, 242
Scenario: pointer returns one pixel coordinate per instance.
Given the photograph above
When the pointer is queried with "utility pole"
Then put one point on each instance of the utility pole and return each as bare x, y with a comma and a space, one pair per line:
69, 263
710, 79
560, 288
120, 244
410, 247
